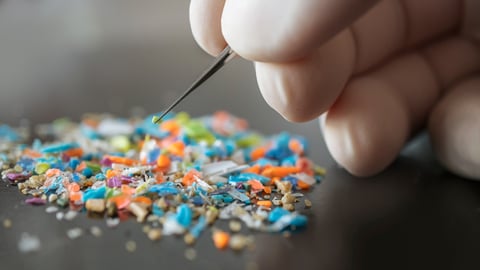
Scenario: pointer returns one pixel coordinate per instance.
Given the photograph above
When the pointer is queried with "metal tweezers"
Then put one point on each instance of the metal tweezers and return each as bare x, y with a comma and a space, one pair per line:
225, 56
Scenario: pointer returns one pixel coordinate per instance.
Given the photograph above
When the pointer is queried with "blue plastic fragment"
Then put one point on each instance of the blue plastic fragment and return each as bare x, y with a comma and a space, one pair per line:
98, 193
244, 177
164, 189
197, 229
157, 211
7, 133
184, 215
276, 214
299, 221
60, 147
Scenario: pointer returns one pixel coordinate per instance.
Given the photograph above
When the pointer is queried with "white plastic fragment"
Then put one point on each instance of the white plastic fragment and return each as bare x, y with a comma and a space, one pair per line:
59, 215
308, 179
70, 215
112, 127
28, 243
171, 226
112, 222
74, 233
51, 209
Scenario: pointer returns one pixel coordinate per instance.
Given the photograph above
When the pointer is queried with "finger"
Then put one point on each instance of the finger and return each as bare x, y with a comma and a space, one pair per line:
205, 16
373, 118
394, 26
301, 90
285, 30
455, 128
304, 89
379, 111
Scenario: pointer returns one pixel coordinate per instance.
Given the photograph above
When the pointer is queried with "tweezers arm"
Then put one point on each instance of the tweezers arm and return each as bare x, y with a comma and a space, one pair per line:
225, 56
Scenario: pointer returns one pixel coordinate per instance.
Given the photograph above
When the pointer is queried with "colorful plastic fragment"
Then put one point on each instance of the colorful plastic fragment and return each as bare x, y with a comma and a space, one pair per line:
178, 177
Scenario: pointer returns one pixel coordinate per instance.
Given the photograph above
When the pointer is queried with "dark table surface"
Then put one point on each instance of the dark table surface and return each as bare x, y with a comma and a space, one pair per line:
412, 216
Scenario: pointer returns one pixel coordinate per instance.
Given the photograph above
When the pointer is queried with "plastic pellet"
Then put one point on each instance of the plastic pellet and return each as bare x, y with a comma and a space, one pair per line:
238, 242
154, 234
307, 203
131, 246
138, 210
189, 239
96, 231
190, 254
70, 215
51, 209
7, 223
220, 239
95, 205
74, 233
28, 243
235, 226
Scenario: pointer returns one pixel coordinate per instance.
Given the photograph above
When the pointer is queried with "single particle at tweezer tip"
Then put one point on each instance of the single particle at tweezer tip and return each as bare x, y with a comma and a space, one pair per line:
156, 119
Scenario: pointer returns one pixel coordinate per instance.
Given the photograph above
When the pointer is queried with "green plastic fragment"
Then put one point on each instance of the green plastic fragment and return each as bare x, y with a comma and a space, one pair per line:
41, 168
156, 119
120, 143
249, 141
198, 131
96, 168
182, 118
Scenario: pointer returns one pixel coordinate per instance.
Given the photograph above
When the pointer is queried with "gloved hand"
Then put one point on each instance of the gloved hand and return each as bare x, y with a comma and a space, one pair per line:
375, 71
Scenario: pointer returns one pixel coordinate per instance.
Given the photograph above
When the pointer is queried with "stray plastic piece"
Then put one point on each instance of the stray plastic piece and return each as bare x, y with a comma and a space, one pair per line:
28, 243
220, 239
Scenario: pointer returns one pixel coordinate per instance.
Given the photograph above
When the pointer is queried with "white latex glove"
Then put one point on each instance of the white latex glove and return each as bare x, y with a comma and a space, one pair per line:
377, 71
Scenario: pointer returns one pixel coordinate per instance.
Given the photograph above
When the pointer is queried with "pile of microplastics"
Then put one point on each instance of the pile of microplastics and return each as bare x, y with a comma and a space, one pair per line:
182, 175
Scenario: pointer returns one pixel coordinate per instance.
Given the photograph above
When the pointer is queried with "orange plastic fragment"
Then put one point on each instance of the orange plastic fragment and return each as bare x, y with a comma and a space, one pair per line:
220, 239
255, 184
267, 189
121, 160
81, 166
143, 199
111, 173
31, 153
159, 177
302, 185
189, 177
52, 172
74, 152
176, 148
265, 203
258, 152
121, 201
275, 171
73, 187
75, 196
295, 146
163, 162
126, 189
253, 169
171, 126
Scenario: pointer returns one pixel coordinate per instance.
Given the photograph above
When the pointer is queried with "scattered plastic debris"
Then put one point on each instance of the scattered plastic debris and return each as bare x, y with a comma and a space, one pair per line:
131, 246
7, 223
177, 177
190, 254
51, 209
74, 233
96, 231
28, 243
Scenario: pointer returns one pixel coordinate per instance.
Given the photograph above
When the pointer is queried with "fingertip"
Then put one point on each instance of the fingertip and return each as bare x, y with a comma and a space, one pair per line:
302, 90
365, 130
205, 17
